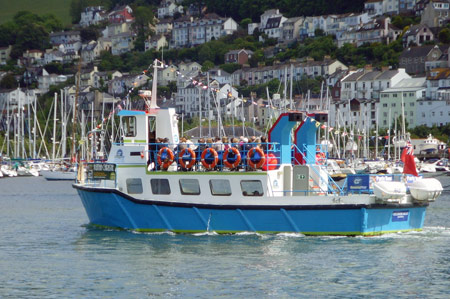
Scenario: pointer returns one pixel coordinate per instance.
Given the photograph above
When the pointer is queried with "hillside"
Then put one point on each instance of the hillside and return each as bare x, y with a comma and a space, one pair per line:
60, 8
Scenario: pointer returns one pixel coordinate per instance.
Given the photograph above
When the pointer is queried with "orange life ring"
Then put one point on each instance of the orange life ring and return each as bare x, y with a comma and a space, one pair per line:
251, 154
225, 158
185, 164
167, 161
320, 158
214, 162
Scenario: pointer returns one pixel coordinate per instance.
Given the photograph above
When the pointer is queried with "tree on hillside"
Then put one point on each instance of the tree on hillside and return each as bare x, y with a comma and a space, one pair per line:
143, 18
8, 82
444, 36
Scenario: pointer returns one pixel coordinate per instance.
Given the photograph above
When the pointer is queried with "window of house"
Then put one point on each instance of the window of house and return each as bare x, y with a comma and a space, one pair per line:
220, 187
134, 186
252, 188
160, 186
189, 186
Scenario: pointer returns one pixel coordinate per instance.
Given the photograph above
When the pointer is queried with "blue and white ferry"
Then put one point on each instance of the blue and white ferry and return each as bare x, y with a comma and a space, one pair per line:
278, 187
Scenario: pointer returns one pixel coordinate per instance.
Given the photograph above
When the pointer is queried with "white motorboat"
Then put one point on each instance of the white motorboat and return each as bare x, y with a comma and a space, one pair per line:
58, 175
427, 167
429, 145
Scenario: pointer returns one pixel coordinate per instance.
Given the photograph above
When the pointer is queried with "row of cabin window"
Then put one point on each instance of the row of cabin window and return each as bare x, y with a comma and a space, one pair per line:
218, 187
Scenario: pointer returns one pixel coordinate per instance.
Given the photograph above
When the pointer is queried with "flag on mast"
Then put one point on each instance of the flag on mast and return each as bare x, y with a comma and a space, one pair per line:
407, 158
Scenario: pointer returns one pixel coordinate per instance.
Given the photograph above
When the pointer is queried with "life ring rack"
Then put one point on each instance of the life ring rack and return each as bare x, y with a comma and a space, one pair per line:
215, 160
187, 164
225, 158
167, 161
251, 154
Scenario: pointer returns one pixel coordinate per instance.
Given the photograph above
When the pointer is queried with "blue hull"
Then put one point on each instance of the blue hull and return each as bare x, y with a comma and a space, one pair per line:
110, 208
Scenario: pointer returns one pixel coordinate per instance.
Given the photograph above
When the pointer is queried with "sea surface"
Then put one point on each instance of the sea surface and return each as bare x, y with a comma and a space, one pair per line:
48, 250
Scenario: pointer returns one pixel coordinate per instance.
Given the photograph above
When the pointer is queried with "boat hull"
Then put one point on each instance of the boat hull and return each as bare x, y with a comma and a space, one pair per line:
114, 209
59, 175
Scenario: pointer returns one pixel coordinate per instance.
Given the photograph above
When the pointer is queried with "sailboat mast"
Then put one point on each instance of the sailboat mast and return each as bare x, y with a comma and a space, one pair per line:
54, 126
75, 108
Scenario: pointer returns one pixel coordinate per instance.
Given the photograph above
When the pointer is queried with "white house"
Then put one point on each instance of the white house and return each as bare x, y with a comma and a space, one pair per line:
92, 15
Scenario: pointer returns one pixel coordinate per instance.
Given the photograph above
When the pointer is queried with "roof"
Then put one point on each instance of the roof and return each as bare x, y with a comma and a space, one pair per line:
64, 33
422, 51
413, 30
273, 22
369, 76
354, 76
440, 73
409, 84
239, 51
387, 74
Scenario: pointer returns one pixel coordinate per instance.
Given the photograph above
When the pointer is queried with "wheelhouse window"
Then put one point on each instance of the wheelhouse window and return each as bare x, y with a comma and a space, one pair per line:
189, 187
220, 187
160, 186
129, 126
134, 186
252, 188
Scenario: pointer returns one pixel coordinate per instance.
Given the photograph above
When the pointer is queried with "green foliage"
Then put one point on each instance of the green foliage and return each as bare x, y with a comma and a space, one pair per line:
143, 18
8, 82
89, 33
230, 67
444, 36
58, 8
401, 21
207, 65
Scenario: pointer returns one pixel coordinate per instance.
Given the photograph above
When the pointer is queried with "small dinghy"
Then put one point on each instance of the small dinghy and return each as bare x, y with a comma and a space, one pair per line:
426, 189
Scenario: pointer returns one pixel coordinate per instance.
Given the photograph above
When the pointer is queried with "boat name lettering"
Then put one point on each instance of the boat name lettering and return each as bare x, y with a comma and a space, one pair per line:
398, 216
104, 167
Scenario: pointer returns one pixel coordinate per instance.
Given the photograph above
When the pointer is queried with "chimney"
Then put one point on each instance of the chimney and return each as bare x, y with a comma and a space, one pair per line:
309, 59
367, 68
326, 57
385, 68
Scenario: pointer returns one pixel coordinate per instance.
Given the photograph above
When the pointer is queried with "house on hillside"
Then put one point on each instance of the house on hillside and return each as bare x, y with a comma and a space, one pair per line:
168, 8
291, 29
167, 75
164, 26
4, 54
238, 56
156, 41
121, 85
93, 15
45, 80
188, 31
417, 35
64, 37
53, 56
274, 27
436, 13
414, 59
121, 14
90, 52
122, 43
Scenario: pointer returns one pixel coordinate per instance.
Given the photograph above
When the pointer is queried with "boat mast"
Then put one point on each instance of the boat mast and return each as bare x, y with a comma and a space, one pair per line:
54, 126
75, 108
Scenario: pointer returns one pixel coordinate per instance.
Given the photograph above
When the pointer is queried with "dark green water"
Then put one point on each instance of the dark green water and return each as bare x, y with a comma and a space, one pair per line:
47, 251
